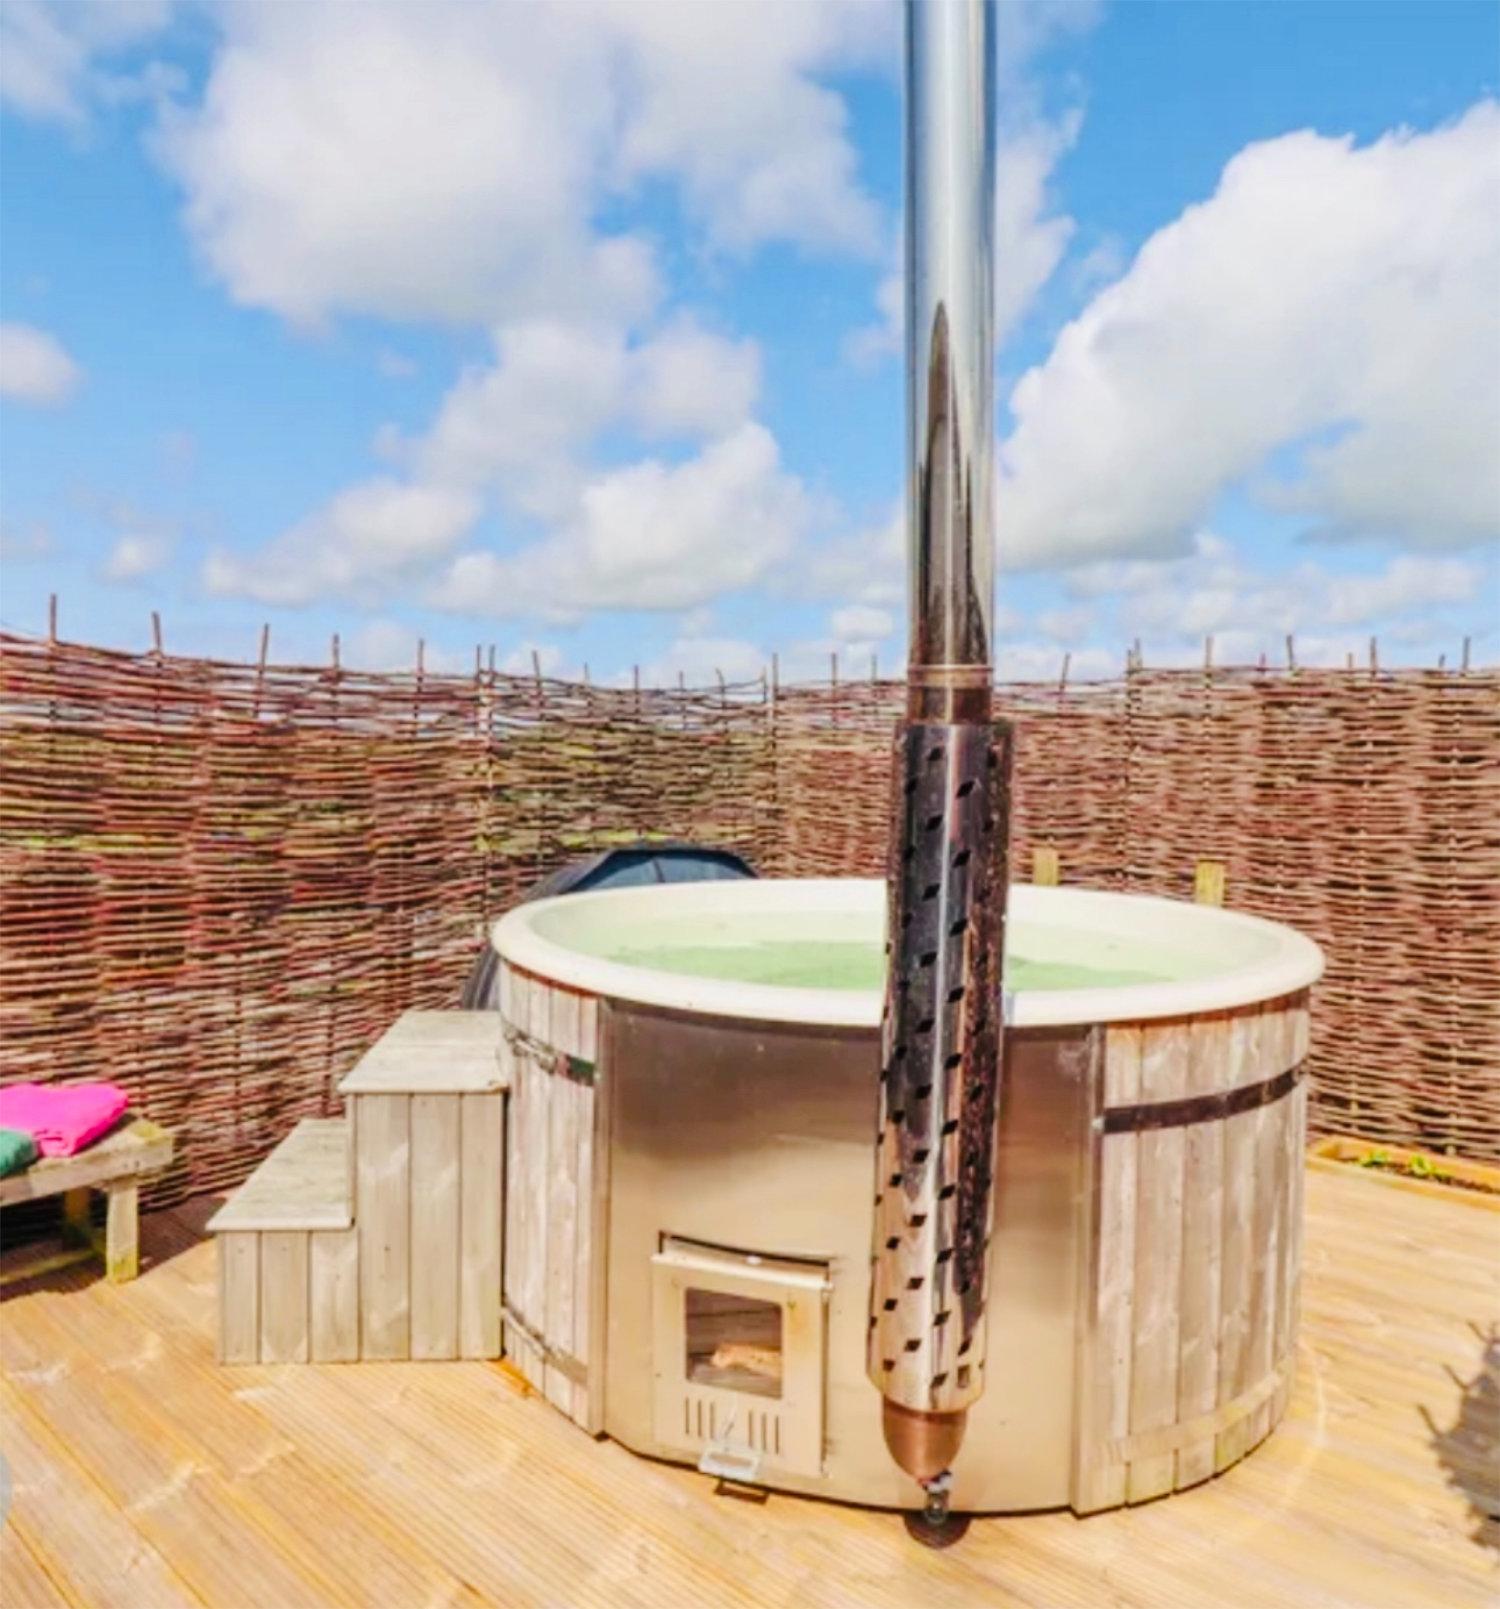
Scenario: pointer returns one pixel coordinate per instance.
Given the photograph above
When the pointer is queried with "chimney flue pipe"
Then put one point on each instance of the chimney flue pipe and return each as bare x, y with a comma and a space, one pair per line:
941, 1032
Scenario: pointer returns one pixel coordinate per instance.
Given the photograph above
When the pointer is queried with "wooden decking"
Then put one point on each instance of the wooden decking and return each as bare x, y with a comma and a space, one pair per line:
146, 1475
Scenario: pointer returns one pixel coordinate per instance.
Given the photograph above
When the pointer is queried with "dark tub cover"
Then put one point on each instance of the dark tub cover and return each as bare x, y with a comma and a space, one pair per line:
628, 866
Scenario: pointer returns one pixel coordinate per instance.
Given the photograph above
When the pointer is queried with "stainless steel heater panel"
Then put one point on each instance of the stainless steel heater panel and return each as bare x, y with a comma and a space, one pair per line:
754, 1138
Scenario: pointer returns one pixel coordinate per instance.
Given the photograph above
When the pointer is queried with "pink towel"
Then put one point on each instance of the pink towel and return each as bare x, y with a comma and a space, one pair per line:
61, 1118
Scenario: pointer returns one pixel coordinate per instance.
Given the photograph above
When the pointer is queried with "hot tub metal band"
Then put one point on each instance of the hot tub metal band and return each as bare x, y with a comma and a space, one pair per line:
1193, 1109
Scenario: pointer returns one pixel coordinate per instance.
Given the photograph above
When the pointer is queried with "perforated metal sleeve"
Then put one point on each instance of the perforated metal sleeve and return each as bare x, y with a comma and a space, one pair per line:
940, 1070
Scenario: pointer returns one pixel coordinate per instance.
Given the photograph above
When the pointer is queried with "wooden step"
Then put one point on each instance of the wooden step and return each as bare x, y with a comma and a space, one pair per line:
378, 1236
288, 1254
433, 1053
303, 1184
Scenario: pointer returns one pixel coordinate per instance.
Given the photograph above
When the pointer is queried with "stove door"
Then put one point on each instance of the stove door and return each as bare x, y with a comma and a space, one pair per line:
739, 1354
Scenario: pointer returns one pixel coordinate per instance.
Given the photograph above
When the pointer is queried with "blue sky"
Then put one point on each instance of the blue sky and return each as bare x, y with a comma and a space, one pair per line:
571, 328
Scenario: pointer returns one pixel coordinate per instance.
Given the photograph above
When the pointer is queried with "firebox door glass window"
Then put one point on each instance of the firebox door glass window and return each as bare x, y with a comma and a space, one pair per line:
733, 1342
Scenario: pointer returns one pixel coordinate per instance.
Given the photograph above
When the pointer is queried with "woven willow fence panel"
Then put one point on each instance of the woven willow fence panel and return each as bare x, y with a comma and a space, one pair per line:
221, 882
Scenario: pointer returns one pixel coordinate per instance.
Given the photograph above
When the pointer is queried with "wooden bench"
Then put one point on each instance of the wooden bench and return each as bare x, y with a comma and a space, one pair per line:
134, 1151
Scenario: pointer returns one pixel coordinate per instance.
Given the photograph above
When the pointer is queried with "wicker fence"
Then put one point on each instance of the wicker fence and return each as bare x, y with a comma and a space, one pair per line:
220, 882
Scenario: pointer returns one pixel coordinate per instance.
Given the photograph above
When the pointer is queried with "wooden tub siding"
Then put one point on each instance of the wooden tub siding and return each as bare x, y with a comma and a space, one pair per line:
1240, 1130
1191, 1319
1107, 1343
589, 1273
525, 1218
1292, 1134
1202, 1251
550, 1261
1158, 1259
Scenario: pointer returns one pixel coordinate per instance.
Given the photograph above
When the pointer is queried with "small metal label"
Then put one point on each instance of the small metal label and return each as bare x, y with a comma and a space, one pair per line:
730, 1461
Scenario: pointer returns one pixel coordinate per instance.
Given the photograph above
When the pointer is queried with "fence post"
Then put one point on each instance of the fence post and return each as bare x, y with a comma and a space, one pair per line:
260, 667
1208, 882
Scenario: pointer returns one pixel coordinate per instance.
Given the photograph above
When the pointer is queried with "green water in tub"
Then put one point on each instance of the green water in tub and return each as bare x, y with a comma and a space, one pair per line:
831, 964
837, 950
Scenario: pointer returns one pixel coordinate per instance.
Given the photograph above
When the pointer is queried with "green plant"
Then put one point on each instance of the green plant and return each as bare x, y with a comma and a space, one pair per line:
1414, 1167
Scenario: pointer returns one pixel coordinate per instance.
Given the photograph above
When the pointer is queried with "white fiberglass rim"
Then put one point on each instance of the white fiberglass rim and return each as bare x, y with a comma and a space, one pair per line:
1235, 959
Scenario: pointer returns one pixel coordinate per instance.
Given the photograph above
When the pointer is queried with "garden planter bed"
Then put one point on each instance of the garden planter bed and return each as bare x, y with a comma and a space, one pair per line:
1412, 1170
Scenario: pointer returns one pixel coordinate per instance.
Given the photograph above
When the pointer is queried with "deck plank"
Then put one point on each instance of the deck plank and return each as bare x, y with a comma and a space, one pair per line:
448, 1483
183, 1508
87, 1549
24, 1584
283, 1488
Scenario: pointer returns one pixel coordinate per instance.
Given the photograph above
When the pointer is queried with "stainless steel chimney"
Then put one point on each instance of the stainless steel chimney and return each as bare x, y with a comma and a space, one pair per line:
941, 1037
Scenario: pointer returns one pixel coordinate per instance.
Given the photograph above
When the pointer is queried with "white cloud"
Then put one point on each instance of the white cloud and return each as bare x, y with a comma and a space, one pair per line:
1025, 28
1407, 583
1326, 294
136, 554
34, 367
522, 422
448, 161
868, 567
393, 365
723, 97
437, 161
687, 381
1031, 661
700, 661
451, 162
364, 542
1031, 235
1030, 238
867, 345
652, 535
1066, 626
49, 52
18, 543
1249, 608
858, 622
528, 657
389, 645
